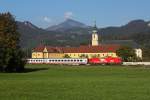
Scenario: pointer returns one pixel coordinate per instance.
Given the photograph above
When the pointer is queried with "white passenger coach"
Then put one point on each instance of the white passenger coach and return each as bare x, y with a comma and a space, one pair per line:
58, 61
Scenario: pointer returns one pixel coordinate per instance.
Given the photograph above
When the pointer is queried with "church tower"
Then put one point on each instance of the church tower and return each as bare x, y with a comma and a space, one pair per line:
95, 36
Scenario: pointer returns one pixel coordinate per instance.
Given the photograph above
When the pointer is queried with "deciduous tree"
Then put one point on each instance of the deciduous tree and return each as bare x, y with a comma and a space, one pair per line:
127, 54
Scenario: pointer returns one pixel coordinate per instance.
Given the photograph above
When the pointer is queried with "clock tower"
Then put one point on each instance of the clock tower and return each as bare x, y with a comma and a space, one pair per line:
95, 36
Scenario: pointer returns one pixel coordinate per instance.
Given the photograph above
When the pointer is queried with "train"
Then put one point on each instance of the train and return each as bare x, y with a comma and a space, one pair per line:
76, 61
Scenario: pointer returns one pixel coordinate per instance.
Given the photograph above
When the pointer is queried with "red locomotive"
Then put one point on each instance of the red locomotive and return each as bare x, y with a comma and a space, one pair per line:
107, 60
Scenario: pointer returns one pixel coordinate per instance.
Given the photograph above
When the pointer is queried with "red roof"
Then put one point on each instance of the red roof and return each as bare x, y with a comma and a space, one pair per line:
81, 49
40, 48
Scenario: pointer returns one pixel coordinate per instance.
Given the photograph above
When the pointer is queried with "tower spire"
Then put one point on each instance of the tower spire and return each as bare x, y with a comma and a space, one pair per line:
95, 24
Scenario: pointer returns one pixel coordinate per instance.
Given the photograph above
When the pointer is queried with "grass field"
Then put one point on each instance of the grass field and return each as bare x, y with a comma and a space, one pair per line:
45, 82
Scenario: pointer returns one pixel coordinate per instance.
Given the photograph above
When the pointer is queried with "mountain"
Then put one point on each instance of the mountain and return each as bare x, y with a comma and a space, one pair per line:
28, 33
27, 24
32, 36
74, 33
132, 27
67, 25
126, 31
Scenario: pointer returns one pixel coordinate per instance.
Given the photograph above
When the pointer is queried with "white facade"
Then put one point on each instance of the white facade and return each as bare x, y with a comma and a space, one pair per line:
95, 38
138, 53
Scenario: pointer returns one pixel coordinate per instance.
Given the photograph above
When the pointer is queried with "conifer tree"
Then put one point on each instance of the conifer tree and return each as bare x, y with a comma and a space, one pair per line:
11, 55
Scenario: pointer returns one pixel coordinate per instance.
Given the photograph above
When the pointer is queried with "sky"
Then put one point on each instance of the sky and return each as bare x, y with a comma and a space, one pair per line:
45, 13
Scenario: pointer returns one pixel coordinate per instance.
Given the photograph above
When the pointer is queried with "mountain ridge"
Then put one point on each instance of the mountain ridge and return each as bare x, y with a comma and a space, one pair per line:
31, 35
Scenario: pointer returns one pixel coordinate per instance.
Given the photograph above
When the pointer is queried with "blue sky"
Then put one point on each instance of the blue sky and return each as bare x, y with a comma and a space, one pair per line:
44, 13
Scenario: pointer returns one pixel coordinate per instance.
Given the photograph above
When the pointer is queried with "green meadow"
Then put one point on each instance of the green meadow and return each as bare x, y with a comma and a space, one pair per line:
60, 82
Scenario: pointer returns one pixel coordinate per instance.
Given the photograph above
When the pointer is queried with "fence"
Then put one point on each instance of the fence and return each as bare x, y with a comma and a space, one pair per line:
136, 63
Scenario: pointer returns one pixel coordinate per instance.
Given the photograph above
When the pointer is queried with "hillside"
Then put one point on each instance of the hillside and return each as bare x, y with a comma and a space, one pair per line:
126, 31
32, 36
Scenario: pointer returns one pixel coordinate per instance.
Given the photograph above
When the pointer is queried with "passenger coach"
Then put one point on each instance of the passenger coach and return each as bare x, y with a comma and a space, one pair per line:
72, 61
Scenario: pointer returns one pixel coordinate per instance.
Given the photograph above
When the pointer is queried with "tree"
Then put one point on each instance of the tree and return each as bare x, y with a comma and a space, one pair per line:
11, 55
146, 53
127, 54
84, 56
67, 56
